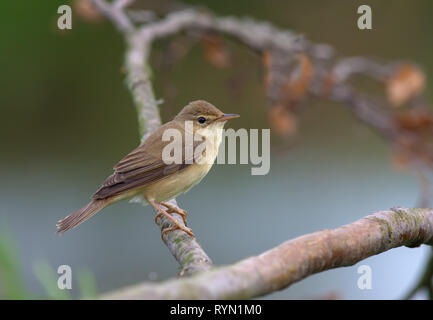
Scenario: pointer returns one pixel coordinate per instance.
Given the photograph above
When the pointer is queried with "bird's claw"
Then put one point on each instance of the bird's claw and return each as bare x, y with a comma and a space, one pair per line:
187, 230
174, 209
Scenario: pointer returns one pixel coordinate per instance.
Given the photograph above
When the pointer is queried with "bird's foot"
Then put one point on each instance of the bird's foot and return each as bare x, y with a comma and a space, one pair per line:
157, 217
171, 208
177, 224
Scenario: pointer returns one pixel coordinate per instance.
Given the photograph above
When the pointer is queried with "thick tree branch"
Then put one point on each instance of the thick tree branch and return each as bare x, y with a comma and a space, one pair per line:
296, 259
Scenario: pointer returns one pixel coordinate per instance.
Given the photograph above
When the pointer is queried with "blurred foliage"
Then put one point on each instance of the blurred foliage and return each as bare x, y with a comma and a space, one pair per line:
87, 285
48, 279
11, 286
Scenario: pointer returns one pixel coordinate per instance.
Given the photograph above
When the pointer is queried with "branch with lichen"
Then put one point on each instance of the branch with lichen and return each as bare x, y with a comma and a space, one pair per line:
296, 259
294, 68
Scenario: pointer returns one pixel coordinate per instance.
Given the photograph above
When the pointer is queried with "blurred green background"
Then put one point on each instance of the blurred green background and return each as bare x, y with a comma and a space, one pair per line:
67, 118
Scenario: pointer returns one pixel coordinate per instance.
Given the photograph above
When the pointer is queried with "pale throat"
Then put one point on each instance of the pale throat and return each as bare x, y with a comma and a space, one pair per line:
213, 132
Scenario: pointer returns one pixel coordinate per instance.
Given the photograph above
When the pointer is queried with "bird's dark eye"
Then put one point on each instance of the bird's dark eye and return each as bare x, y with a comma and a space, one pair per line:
201, 119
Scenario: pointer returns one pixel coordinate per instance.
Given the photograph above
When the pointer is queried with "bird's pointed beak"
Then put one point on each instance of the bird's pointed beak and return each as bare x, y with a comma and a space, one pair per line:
226, 117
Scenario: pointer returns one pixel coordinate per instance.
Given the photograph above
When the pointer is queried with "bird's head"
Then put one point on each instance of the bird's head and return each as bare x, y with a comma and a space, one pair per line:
204, 115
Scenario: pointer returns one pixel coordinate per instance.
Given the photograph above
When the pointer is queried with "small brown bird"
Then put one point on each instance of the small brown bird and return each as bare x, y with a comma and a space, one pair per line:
145, 172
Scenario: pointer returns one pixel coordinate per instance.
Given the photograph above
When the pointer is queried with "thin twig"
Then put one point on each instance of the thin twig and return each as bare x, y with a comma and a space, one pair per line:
115, 13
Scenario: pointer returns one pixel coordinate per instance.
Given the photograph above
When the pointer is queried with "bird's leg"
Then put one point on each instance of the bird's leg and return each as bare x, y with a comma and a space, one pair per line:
177, 224
158, 216
171, 208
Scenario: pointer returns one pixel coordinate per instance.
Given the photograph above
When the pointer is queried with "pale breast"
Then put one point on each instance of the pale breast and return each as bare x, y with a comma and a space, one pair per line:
177, 183
181, 181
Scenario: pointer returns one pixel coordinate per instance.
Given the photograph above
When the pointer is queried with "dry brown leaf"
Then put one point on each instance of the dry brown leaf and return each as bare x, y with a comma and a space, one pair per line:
86, 10
296, 87
301, 84
328, 83
282, 120
406, 83
215, 52
414, 119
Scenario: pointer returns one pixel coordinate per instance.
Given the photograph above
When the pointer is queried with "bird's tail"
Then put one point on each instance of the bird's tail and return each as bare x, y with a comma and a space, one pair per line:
79, 216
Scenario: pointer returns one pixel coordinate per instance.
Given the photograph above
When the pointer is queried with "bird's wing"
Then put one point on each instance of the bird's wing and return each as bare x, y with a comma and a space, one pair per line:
142, 166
